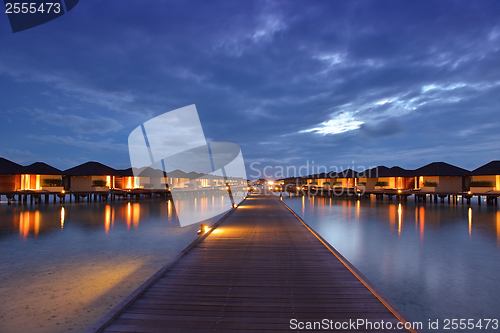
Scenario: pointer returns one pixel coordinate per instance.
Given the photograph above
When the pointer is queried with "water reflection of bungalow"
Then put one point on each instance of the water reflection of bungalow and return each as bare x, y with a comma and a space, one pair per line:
90, 176
8, 172
395, 178
486, 178
40, 176
441, 177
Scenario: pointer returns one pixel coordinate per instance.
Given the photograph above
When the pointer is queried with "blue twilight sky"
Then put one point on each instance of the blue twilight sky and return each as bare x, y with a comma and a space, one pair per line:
335, 83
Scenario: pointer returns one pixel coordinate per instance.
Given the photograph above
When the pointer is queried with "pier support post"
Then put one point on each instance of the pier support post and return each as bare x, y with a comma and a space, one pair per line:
479, 200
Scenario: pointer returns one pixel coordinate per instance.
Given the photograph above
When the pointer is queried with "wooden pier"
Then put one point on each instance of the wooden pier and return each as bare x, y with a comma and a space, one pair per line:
39, 196
490, 197
254, 271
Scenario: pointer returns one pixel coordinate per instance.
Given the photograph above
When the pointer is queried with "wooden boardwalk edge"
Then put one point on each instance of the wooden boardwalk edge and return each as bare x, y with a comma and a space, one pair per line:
393, 308
101, 324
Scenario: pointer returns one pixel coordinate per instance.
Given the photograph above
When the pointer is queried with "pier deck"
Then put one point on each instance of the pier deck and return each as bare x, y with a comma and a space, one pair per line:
260, 268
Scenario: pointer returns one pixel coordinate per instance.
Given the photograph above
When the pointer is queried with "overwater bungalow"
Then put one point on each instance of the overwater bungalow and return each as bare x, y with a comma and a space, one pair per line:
90, 177
290, 184
367, 180
319, 180
486, 178
395, 178
144, 178
40, 176
8, 175
441, 177
346, 178
178, 179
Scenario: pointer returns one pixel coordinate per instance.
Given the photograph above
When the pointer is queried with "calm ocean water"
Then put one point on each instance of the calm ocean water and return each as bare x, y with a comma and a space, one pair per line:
435, 261
63, 267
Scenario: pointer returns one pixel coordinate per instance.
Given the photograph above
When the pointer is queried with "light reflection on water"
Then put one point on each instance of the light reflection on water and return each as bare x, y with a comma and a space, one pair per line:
434, 261
32, 220
63, 266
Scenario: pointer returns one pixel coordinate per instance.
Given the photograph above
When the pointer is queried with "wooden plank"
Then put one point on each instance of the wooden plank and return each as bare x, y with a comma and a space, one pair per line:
261, 268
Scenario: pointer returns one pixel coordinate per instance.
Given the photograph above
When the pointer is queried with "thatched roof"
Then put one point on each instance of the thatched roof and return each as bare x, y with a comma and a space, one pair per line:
440, 169
92, 169
40, 168
8, 167
489, 169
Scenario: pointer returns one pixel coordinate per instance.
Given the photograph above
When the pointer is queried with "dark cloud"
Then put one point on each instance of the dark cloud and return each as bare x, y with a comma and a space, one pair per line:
260, 73
386, 127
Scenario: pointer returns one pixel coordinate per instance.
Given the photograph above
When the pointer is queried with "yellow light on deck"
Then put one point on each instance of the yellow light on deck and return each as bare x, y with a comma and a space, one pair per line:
203, 229
63, 191
270, 182
399, 191
469, 192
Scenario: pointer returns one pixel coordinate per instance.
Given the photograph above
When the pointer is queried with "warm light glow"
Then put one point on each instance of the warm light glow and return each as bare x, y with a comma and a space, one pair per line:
498, 228
204, 228
136, 214
399, 191
29, 222
392, 217
470, 221
422, 223
303, 205
129, 215
63, 191
30, 182
63, 213
358, 204
108, 181
400, 218
469, 192
270, 182
107, 219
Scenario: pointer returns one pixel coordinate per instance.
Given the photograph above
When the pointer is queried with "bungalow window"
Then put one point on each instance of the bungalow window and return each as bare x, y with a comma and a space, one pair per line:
30, 182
